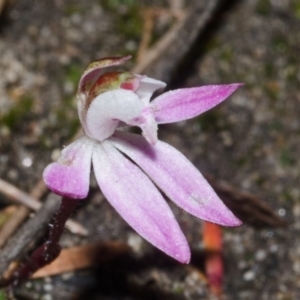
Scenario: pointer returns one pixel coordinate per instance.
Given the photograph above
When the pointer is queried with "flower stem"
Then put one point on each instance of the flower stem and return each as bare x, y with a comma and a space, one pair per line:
50, 250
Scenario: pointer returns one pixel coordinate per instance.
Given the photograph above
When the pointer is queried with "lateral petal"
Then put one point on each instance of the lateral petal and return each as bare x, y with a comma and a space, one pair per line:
176, 176
188, 103
70, 175
138, 201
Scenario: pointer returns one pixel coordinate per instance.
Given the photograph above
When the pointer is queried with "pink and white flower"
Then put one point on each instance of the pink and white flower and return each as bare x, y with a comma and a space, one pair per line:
105, 104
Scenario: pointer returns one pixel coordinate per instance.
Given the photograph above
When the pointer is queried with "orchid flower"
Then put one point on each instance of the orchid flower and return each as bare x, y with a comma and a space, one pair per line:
131, 169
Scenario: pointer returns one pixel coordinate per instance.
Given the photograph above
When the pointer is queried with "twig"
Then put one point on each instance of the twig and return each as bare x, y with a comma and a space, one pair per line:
156, 51
175, 44
176, 6
246, 206
148, 16
14, 194
27, 236
81, 257
12, 224
20, 216
5, 6
48, 251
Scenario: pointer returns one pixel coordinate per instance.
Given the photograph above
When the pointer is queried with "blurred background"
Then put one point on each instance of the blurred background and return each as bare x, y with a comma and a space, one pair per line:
252, 140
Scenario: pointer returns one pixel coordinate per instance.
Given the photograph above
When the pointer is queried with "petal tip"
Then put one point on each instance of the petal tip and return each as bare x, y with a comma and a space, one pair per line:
184, 259
57, 180
237, 85
236, 222
181, 252
231, 221
182, 255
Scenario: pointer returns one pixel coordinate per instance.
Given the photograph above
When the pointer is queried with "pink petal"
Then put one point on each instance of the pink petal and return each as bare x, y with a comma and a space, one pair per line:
138, 201
70, 175
188, 103
176, 177
147, 87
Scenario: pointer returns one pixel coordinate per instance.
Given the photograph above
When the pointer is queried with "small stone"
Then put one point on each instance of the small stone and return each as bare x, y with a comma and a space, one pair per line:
226, 138
296, 267
47, 297
48, 287
260, 255
135, 242
27, 162
249, 275
274, 248
12, 174
67, 276
281, 212
55, 154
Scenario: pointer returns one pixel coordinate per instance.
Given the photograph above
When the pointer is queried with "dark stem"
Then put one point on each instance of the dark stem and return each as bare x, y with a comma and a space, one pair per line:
60, 218
50, 250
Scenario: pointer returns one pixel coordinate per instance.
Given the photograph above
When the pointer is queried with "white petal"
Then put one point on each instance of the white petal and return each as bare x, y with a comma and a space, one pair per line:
108, 109
147, 87
138, 201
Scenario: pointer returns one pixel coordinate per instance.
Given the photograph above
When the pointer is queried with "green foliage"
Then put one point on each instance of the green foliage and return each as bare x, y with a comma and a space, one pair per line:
296, 8
128, 20
263, 7
270, 70
271, 90
73, 73
72, 9
275, 126
18, 114
68, 120
208, 121
2, 295
227, 53
280, 43
286, 158
114, 4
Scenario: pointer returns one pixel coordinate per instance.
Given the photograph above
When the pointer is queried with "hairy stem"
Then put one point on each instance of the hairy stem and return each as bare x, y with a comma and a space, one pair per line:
50, 250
